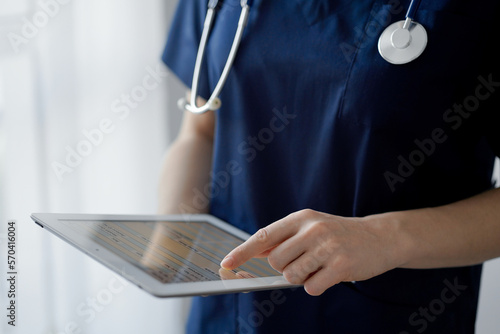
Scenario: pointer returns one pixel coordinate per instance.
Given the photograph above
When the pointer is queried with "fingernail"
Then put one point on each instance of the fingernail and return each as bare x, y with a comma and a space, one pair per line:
227, 262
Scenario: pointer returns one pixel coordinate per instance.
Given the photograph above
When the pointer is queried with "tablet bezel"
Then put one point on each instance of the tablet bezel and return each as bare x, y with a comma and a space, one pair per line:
51, 222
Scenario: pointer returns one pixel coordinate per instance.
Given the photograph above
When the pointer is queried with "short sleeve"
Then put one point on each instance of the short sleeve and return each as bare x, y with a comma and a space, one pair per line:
492, 82
493, 128
183, 41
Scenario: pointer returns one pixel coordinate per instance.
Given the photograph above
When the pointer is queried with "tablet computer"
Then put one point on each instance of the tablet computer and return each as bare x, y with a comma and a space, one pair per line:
168, 256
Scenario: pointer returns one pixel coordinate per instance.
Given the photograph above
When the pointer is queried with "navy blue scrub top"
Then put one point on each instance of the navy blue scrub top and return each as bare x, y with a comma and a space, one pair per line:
313, 117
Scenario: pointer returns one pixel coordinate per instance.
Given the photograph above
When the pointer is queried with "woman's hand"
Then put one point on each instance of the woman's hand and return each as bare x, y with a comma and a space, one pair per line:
320, 250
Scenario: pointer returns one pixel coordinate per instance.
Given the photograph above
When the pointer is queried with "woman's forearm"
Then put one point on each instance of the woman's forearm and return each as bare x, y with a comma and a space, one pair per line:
320, 250
459, 234
185, 173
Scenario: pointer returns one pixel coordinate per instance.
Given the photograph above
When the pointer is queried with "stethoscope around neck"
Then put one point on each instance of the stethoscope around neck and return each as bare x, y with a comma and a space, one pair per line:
214, 103
400, 43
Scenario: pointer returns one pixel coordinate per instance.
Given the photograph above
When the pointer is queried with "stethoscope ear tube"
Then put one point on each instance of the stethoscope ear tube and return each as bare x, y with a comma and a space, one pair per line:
214, 103
213, 3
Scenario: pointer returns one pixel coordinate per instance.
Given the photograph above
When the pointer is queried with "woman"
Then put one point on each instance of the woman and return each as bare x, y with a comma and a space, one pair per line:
382, 172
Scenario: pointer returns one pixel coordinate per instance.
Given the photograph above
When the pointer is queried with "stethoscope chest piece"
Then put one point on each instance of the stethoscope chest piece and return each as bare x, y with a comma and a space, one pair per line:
402, 42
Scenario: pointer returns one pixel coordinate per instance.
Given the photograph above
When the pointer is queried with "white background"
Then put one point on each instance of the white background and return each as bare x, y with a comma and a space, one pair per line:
63, 81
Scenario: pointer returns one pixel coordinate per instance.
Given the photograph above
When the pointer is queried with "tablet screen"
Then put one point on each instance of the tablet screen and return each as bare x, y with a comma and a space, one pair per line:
170, 251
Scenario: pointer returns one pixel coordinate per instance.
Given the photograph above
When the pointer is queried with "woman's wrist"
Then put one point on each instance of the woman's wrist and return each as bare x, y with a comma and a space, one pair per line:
432, 237
402, 246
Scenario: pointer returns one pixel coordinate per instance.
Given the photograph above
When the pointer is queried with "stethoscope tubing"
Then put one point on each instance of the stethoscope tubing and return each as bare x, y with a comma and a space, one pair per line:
412, 10
214, 103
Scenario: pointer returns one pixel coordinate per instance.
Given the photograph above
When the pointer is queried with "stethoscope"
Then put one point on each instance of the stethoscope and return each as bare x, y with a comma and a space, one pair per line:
400, 43
403, 41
